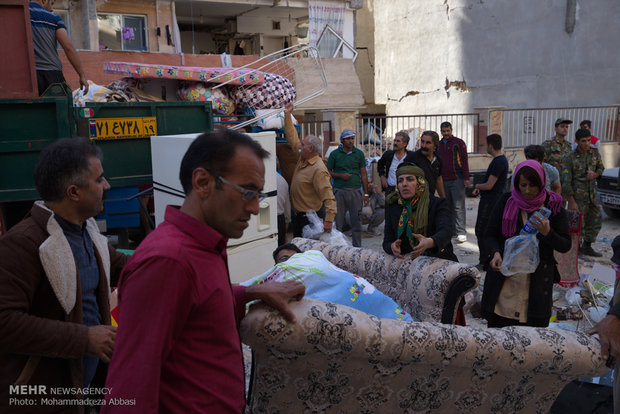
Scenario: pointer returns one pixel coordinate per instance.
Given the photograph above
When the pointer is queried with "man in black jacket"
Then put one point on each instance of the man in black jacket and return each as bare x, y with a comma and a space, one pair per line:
427, 159
391, 159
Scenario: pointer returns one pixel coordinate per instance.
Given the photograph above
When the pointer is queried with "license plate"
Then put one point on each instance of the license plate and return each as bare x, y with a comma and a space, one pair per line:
610, 199
122, 128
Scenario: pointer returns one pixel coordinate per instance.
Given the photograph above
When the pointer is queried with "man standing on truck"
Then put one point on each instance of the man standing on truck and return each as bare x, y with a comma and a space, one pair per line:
47, 28
56, 270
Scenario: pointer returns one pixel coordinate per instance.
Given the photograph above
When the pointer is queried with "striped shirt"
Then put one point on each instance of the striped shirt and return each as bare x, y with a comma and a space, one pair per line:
44, 25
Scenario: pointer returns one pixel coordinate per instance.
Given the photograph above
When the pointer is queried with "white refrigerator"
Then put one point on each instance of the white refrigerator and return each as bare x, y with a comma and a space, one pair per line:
251, 254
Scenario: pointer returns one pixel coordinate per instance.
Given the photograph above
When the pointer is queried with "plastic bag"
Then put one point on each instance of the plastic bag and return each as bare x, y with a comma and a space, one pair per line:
96, 93
275, 121
314, 230
520, 255
572, 296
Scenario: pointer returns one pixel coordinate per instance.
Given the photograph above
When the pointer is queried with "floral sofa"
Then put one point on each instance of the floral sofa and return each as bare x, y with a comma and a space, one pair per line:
337, 359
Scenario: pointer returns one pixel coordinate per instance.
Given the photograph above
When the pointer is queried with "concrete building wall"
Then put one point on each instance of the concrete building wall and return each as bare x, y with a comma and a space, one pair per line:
365, 63
446, 56
261, 21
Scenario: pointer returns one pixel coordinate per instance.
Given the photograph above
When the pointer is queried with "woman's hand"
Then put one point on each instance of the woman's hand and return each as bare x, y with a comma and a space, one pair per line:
423, 244
541, 224
496, 261
396, 248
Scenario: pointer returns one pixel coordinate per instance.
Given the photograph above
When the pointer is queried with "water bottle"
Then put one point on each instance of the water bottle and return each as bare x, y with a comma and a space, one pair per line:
542, 213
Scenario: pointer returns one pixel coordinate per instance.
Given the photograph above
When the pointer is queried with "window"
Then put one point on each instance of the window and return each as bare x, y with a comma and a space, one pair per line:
122, 32
331, 45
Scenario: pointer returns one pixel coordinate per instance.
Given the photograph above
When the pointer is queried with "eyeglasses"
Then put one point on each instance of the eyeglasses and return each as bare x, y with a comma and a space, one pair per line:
245, 193
283, 258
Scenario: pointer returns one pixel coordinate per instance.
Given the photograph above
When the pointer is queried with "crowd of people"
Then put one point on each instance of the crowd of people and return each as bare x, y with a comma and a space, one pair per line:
55, 330
424, 208
177, 347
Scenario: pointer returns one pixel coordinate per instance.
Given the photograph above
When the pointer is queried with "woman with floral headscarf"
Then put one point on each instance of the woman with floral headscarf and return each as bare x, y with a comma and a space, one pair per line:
417, 223
524, 299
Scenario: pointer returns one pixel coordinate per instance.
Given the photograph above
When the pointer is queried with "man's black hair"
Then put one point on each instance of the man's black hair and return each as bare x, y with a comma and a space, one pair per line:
534, 152
585, 122
446, 124
213, 152
404, 136
582, 133
63, 163
495, 140
434, 136
285, 246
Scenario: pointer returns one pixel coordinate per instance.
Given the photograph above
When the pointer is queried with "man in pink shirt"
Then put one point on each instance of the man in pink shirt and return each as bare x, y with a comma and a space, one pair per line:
177, 346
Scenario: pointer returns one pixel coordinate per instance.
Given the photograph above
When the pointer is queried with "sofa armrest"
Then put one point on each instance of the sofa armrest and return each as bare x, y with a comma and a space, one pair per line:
338, 349
430, 289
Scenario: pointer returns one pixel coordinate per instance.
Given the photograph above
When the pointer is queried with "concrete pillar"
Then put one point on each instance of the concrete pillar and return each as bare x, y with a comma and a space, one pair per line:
90, 28
341, 120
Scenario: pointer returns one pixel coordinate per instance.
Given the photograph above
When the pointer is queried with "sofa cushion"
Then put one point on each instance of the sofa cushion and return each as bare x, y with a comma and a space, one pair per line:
429, 289
338, 359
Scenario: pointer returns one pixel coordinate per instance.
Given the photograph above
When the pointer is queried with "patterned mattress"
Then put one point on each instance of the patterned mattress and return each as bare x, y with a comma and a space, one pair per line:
188, 73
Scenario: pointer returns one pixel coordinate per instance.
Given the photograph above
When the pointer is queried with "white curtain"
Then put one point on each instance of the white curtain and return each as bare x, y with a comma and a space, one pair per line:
322, 13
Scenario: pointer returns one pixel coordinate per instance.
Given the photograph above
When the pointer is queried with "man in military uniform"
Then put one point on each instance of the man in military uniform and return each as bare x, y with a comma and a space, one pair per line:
579, 171
558, 147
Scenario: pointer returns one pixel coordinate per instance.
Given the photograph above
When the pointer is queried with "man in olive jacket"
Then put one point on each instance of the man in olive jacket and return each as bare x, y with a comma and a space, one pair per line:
56, 270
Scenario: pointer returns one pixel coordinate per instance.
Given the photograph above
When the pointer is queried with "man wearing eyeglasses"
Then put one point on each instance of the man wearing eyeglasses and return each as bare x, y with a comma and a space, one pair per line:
178, 347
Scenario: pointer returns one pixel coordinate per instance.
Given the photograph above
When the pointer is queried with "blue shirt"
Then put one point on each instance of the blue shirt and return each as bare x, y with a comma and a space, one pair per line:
88, 270
44, 25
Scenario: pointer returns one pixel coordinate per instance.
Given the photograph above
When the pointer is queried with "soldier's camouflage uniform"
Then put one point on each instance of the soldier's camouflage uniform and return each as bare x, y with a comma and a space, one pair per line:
575, 183
556, 152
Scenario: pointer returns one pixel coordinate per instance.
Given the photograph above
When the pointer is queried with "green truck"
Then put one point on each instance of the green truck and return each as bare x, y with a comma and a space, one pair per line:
122, 130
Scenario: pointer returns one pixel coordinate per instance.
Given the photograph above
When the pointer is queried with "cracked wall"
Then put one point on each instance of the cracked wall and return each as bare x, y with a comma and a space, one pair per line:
451, 56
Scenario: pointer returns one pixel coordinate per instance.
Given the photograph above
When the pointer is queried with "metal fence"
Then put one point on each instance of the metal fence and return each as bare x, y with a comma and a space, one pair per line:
522, 127
375, 134
321, 129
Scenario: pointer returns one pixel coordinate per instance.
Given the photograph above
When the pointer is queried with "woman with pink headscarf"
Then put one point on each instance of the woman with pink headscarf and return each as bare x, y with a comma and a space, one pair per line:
524, 299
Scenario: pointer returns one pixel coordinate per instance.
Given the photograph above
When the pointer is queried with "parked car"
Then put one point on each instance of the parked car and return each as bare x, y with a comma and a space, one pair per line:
609, 192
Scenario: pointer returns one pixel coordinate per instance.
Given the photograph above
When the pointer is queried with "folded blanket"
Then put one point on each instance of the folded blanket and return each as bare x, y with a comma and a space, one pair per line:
327, 282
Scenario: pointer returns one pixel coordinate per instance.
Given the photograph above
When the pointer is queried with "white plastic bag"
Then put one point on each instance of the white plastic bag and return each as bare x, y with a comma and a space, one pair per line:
96, 93
520, 255
275, 121
314, 230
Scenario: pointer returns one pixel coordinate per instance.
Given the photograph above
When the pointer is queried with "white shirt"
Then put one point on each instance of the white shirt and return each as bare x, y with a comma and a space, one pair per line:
391, 177
284, 202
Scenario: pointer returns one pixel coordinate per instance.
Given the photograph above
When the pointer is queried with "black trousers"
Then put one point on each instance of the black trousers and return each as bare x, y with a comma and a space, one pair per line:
485, 207
46, 77
496, 321
281, 229
300, 220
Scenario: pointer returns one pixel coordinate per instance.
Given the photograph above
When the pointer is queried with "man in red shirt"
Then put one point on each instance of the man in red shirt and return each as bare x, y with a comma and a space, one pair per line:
177, 346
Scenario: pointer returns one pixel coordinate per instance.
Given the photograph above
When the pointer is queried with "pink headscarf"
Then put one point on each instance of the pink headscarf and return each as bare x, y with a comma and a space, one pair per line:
516, 201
